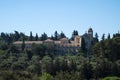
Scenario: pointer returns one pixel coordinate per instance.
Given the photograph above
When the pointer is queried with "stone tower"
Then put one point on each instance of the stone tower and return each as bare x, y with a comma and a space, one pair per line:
77, 41
90, 33
88, 37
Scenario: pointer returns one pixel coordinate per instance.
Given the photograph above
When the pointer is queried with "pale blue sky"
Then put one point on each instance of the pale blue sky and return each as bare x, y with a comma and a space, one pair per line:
47, 16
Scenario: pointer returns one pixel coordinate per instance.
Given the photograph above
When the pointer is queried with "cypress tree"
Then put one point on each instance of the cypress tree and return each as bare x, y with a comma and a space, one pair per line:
31, 37
36, 37
23, 44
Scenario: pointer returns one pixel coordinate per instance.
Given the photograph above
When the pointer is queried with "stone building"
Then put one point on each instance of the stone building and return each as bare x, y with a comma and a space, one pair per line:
88, 37
63, 45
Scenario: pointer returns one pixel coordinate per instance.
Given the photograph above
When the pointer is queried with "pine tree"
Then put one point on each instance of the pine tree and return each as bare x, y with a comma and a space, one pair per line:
103, 37
83, 45
96, 37
75, 33
44, 36
23, 44
56, 35
52, 37
17, 35
108, 36
31, 37
36, 37
62, 35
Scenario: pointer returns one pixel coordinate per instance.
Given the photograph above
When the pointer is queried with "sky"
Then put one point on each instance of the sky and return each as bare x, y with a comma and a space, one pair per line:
47, 16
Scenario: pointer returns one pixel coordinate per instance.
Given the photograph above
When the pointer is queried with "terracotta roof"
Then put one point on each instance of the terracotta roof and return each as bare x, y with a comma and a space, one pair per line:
28, 42
48, 40
64, 39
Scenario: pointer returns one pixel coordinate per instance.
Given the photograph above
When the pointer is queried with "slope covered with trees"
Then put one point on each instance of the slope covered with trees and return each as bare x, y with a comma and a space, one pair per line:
42, 64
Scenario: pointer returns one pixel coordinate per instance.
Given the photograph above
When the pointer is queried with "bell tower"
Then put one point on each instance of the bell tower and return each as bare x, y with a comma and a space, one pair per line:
90, 33
77, 41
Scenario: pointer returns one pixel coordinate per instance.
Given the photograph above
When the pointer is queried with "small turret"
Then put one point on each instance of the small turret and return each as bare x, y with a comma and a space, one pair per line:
90, 33
90, 30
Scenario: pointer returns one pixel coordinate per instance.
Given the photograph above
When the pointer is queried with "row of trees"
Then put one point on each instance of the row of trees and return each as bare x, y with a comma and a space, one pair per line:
16, 36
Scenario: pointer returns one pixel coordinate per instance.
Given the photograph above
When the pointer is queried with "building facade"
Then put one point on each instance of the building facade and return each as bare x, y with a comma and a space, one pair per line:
63, 45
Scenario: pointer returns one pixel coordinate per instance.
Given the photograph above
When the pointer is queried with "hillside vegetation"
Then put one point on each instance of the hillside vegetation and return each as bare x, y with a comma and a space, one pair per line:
40, 63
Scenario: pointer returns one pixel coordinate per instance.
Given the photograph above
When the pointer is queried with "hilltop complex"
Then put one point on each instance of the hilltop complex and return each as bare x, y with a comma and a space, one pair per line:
63, 45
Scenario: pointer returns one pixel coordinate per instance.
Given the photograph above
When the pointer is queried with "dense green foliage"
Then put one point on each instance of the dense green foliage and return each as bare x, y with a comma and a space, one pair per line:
111, 78
40, 63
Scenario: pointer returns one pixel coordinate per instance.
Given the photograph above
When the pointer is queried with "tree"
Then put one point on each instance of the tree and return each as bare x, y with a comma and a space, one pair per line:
3, 46
56, 35
13, 49
36, 37
75, 33
49, 49
38, 50
31, 37
45, 62
35, 65
64, 64
3, 36
62, 35
20, 64
108, 36
29, 54
46, 76
103, 37
17, 35
96, 37
103, 68
108, 48
23, 35
72, 65
52, 37
116, 35
83, 47
58, 64
6, 38
23, 44
44, 36
87, 71
111, 78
